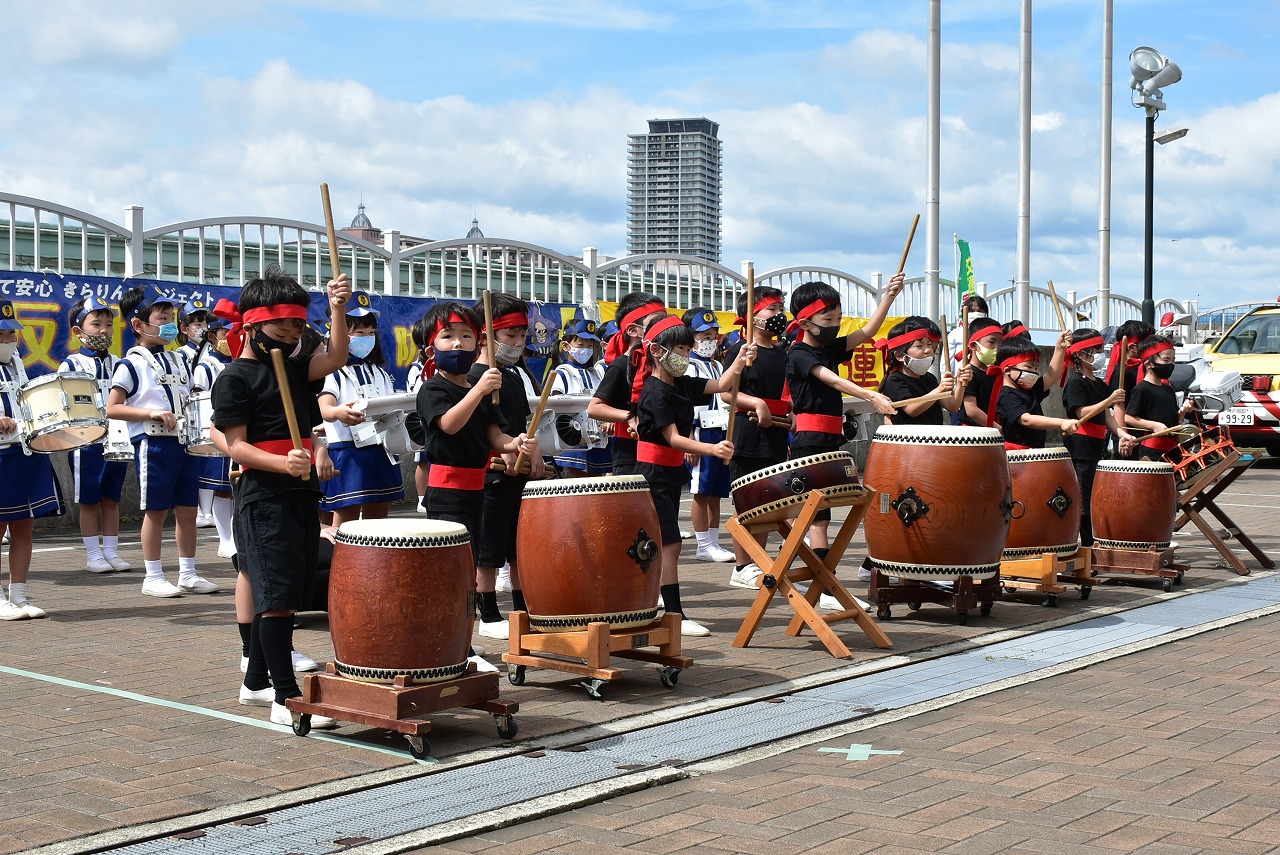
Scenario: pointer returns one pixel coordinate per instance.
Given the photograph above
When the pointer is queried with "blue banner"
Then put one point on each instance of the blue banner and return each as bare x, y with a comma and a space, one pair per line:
42, 303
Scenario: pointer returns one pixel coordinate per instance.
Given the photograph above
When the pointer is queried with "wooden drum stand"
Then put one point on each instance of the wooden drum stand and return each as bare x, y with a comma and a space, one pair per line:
1049, 574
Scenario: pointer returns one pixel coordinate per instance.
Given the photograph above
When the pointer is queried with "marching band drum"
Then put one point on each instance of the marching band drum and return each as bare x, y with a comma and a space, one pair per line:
61, 412
197, 425
1045, 486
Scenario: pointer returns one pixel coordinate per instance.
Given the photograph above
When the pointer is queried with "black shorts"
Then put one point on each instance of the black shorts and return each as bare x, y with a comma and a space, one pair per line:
496, 544
666, 499
457, 506
277, 544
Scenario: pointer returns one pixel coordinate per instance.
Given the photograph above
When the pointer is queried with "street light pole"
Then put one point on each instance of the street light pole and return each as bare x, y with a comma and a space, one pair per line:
1148, 301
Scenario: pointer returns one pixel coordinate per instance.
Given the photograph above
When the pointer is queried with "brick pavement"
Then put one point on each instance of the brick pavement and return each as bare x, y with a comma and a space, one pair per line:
75, 761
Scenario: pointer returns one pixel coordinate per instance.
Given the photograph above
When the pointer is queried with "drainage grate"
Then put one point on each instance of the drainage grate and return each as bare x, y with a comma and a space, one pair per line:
420, 803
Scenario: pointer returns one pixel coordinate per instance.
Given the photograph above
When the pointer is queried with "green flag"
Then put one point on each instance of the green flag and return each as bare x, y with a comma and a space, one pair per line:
964, 274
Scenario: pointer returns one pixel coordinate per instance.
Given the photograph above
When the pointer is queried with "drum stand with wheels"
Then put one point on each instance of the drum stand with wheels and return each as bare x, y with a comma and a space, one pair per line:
400, 706
963, 595
1159, 563
587, 652
778, 576
1198, 496
1049, 574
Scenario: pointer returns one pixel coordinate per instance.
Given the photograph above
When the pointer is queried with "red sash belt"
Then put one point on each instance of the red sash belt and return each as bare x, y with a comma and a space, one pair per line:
1013, 446
455, 477
281, 447
622, 429
818, 423
1093, 430
659, 455
1159, 443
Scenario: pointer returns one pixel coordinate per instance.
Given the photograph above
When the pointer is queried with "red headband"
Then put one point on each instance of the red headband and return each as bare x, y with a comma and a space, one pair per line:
1084, 344
1020, 329
995, 391
808, 312
1158, 347
762, 303
994, 329
511, 319
618, 344
229, 311
454, 318
905, 338
640, 356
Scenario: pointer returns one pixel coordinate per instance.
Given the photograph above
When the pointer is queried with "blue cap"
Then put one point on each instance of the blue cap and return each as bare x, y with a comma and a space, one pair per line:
8, 318
152, 297
610, 329
732, 338
217, 323
581, 328
360, 305
320, 325
195, 304
92, 303
703, 321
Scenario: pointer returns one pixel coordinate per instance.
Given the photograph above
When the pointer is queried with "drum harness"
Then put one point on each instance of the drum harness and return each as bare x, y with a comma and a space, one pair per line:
12, 406
175, 387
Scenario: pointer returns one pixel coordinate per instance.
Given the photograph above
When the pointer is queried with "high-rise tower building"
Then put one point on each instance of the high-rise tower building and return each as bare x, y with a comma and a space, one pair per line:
673, 189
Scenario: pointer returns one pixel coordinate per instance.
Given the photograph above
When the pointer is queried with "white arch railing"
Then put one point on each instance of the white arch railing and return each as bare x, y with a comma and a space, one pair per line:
73, 250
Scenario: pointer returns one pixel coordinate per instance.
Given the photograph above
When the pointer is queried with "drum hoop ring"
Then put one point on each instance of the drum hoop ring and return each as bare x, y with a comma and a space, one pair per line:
388, 675
790, 465
1035, 551
1141, 546
893, 568
839, 491
619, 620
429, 541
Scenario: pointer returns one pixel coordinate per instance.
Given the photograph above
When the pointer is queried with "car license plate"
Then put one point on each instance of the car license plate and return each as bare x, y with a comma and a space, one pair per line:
1236, 416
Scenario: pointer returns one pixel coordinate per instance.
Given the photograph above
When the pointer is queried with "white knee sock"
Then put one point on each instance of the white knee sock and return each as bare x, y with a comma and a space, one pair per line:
222, 519
110, 543
155, 569
18, 592
206, 502
186, 568
92, 547
713, 537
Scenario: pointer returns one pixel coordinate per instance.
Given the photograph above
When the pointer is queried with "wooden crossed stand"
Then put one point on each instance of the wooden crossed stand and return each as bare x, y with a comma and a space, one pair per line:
1199, 495
778, 576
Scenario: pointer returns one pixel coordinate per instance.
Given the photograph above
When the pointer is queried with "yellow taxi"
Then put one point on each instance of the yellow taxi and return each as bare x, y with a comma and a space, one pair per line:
1252, 347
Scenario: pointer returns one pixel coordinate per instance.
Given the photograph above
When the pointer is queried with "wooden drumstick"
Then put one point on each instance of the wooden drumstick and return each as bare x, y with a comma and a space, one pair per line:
496, 398
921, 399
335, 263
733, 404
537, 413
1056, 307
282, 380
907, 249
1091, 412
751, 308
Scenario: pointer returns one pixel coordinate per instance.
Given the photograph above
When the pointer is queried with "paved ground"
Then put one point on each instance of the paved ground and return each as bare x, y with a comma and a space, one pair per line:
120, 710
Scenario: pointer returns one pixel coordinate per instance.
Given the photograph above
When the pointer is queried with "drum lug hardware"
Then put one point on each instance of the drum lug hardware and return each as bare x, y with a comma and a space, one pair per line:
798, 484
644, 551
910, 506
1008, 504
1060, 502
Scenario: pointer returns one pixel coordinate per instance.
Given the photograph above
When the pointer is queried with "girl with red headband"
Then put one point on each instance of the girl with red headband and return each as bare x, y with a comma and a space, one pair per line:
612, 402
908, 355
277, 527
665, 398
1016, 404
1088, 445
985, 336
1153, 405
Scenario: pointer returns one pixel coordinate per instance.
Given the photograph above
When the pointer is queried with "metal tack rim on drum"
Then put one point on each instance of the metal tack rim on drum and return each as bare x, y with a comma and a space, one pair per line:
388, 675
770, 471
834, 496
944, 572
413, 534
1036, 455
1137, 467
1037, 551
616, 620
933, 435
586, 486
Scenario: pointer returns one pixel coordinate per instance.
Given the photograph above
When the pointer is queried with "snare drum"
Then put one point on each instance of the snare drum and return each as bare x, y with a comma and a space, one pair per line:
1134, 504
118, 448
197, 426
776, 493
1045, 485
62, 412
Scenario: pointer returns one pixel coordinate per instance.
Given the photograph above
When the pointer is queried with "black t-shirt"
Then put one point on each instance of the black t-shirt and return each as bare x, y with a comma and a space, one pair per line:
513, 404
246, 393
811, 395
663, 404
899, 387
1156, 402
980, 388
1081, 393
766, 377
615, 390
469, 447
1013, 404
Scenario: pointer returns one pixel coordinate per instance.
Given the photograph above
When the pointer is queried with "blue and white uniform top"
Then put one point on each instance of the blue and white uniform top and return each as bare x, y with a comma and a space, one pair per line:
716, 414
573, 379
414, 379
207, 370
13, 376
353, 382
188, 354
154, 380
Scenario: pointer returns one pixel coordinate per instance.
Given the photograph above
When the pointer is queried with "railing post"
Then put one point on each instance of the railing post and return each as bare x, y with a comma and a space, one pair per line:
391, 264
1193, 328
133, 249
590, 303
1075, 315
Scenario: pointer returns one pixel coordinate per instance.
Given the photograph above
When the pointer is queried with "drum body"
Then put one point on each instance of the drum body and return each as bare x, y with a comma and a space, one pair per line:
118, 448
1134, 504
588, 551
401, 600
944, 502
776, 492
1047, 489
62, 412
198, 425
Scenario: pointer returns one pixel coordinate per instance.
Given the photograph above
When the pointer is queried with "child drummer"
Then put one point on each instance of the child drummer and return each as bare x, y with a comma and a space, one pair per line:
908, 356
985, 336
1016, 404
28, 488
611, 401
1153, 405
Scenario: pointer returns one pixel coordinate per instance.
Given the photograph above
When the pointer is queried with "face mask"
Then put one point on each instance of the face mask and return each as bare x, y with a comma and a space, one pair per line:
986, 355
223, 347
706, 349
675, 364
7, 349
97, 341
1162, 370
361, 346
1027, 379
775, 325
195, 335
508, 354
263, 344
168, 332
826, 335
919, 364
456, 361
581, 355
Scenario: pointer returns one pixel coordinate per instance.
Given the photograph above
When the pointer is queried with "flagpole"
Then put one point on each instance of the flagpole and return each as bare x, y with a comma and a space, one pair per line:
955, 254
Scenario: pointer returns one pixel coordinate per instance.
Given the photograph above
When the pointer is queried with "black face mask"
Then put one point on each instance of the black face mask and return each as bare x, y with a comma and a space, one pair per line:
1162, 370
826, 335
263, 344
776, 325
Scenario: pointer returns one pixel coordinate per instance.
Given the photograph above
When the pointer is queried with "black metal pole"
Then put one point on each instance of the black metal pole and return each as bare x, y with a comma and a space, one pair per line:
1148, 303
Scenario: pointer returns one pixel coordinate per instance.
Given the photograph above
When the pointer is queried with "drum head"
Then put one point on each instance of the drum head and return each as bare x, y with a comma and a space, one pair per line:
1136, 467
586, 486
938, 435
402, 532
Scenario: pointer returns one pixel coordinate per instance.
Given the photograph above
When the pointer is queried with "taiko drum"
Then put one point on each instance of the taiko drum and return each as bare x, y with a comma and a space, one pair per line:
777, 492
1047, 504
589, 551
942, 509
1134, 504
401, 600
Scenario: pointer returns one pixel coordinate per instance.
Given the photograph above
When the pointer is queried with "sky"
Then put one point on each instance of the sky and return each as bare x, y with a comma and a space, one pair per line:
517, 112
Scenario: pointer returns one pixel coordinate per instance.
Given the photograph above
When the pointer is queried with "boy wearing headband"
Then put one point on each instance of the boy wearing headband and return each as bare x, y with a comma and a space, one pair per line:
1016, 404
985, 336
1152, 405
611, 401
908, 356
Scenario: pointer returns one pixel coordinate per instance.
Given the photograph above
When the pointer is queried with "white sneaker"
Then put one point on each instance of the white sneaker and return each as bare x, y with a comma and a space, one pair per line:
685, 535
280, 715
715, 552
300, 662
661, 604
204, 520
831, 604
482, 667
257, 698
160, 588
226, 550
10, 611
499, 629
748, 577
504, 579
197, 585
99, 565
31, 609
693, 629
117, 563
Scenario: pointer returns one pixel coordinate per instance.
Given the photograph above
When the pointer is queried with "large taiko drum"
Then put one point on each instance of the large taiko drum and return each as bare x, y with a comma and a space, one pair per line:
1046, 493
589, 551
401, 600
944, 502
776, 492
1134, 503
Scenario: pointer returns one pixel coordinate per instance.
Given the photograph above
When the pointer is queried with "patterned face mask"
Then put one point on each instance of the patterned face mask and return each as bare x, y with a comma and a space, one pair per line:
96, 341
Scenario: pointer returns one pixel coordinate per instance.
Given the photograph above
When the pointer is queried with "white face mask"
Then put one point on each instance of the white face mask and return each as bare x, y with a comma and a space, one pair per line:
1099, 361
1027, 379
919, 364
706, 349
581, 355
7, 350
509, 354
